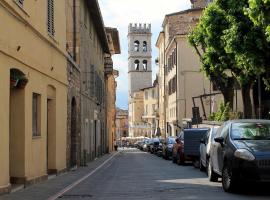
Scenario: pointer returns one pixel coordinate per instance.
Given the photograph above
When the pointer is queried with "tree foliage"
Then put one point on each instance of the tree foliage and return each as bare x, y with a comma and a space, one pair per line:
231, 41
259, 13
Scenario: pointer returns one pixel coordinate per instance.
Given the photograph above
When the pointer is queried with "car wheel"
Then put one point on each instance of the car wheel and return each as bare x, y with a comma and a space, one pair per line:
229, 181
212, 176
202, 168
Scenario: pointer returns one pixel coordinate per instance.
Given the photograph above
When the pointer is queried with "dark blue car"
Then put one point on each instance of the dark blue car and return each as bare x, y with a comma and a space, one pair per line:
241, 152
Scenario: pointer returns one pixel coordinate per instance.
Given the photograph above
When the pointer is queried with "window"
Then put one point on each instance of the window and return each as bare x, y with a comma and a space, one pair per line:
36, 115
145, 65
146, 110
50, 13
153, 93
153, 108
146, 95
137, 64
144, 46
136, 45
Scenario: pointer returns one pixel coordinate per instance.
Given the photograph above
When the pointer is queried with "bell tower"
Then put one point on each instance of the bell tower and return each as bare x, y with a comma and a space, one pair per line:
139, 57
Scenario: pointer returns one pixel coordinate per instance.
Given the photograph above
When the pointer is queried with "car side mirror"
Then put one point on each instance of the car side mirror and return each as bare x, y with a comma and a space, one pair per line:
219, 140
202, 141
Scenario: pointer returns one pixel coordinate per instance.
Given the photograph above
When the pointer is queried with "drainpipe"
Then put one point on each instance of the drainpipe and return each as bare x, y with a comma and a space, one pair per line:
176, 77
74, 30
164, 82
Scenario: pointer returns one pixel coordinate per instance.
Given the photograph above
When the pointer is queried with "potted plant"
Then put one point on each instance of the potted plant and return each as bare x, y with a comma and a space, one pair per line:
22, 82
13, 82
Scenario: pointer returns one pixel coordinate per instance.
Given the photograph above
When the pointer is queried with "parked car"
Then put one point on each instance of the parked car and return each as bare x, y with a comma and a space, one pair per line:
167, 147
205, 147
159, 148
189, 148
153, 145
145, 144
241, 152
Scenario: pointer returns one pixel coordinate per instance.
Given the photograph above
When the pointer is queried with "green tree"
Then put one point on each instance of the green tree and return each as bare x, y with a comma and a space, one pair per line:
242, 45
259, 13
245, 43
206, 38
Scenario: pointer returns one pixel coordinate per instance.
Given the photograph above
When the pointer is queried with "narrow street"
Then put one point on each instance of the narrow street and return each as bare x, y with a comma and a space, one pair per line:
133, 174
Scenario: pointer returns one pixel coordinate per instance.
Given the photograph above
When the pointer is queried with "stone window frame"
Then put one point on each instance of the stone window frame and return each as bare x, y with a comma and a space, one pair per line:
36, 115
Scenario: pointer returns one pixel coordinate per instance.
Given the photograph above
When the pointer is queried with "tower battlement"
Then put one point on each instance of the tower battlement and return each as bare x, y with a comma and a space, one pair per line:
139, 28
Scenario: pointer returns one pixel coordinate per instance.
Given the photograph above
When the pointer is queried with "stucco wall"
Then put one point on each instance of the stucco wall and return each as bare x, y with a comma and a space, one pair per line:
42, 59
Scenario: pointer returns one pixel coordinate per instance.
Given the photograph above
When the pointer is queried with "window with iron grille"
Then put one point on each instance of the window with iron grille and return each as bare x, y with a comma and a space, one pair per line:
50, 17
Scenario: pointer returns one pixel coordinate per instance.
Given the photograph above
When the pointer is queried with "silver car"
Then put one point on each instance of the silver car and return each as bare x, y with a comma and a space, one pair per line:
205, 147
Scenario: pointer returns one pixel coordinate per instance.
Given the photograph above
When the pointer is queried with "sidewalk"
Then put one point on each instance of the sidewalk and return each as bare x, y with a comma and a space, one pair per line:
48, 188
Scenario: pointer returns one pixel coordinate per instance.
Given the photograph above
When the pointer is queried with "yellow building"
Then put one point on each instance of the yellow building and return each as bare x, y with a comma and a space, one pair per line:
150, 110
136, 110
33, 87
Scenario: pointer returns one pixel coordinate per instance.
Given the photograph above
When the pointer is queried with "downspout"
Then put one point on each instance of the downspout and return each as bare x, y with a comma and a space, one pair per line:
74, 30
176, 77
164, 82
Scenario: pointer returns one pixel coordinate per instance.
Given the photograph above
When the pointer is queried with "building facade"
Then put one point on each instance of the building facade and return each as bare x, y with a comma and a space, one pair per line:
33, 84
111, 85
74, 84
92, 47
186, 95
150, 115
121, 124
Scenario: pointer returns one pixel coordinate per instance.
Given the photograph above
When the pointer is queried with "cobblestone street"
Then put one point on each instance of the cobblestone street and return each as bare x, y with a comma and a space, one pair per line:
133, 174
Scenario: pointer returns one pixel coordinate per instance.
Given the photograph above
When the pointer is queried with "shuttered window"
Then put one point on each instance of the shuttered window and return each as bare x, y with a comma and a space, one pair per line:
50, 13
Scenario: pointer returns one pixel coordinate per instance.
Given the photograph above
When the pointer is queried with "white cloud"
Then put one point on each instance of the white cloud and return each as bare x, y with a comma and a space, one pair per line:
119, 13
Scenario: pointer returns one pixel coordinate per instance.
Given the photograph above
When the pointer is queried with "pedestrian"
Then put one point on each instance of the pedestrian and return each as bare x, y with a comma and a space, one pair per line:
115, 145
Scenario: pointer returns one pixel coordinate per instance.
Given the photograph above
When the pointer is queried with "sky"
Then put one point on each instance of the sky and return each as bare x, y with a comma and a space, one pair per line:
118, 14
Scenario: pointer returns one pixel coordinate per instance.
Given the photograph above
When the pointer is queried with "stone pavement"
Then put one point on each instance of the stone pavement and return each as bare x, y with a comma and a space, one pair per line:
48, 188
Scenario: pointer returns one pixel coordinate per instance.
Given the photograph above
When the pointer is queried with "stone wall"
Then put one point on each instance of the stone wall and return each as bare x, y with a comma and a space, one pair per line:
74, 88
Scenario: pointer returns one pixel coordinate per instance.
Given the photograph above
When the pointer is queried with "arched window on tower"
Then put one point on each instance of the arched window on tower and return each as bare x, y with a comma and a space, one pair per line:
136, 64
136, 45
144, 46
145, 65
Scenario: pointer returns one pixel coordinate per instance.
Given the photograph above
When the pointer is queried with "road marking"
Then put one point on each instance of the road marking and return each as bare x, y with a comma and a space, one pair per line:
66, 189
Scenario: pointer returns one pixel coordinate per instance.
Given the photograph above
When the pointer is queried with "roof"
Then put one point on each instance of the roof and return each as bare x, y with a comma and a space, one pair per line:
181, 13
115, 40
147, 88
96, 15
161, 35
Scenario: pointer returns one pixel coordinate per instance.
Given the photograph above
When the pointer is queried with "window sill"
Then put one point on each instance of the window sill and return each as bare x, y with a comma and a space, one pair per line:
36, 137
52, 38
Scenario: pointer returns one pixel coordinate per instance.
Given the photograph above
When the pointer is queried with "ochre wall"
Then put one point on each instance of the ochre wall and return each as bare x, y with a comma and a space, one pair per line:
26, 46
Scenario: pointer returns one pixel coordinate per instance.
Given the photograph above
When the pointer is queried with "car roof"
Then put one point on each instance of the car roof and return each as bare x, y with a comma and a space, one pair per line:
249, 120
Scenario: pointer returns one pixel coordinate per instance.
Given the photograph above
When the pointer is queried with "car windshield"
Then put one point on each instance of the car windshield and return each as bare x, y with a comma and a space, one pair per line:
250, 131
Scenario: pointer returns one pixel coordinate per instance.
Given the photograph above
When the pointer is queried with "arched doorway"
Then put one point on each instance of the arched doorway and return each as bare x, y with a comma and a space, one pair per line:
18, 82
73, 134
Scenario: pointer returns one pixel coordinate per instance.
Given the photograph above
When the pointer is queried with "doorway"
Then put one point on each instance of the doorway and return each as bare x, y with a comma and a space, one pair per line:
73, 134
